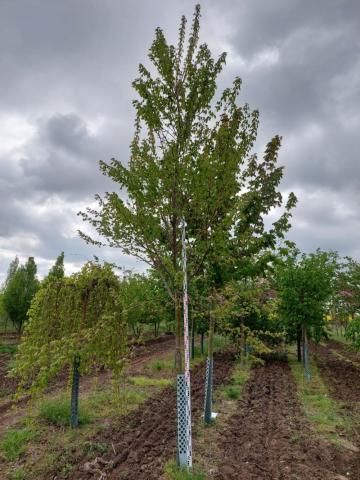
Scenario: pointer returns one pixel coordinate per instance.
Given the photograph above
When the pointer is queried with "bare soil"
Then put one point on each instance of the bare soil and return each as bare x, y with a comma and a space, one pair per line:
344, 350
270, 439
145, 440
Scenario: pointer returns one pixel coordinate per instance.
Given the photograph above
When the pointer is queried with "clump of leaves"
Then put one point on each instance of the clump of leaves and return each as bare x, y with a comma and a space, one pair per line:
8, 348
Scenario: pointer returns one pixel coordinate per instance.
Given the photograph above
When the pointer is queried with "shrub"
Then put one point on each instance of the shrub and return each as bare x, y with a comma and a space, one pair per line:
57, 411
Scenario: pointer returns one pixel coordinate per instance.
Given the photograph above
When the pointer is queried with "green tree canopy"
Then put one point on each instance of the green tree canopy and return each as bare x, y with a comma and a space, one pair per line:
305, 284
190, 159
19, 291
57, 271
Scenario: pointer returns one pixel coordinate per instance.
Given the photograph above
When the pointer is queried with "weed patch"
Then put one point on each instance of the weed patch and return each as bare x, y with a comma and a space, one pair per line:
173, 472
8, 348
150, 382
13, 444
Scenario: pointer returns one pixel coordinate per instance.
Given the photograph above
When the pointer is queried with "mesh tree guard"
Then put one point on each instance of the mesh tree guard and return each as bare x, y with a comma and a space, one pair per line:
184, 442
75, 394
208, 416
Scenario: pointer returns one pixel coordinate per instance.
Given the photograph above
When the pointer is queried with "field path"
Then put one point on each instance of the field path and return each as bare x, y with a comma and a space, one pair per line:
269, 438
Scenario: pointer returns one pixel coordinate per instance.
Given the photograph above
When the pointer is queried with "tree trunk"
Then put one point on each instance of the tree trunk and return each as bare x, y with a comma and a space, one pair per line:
192, 337
305, 353
178, 356
75, 393
298, 341
202, 343
211, 336
242, 342
209, 376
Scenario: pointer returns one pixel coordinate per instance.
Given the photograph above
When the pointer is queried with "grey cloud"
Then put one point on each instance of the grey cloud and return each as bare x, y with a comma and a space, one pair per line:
67, 66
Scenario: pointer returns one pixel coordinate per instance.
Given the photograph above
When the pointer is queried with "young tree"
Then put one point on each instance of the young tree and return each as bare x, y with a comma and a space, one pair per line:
14, 264
145, 303
305, 284
19, 292
189, 159
74, 323
57, 271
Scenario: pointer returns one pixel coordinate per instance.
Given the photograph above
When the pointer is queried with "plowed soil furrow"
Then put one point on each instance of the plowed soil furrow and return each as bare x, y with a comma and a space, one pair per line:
269, 438
343, 380
146, 438
342, 377
345, 351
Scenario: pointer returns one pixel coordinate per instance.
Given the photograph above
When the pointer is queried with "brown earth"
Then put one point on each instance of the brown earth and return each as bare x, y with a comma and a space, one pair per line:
145, 439
343, 380
269, 438
344, 350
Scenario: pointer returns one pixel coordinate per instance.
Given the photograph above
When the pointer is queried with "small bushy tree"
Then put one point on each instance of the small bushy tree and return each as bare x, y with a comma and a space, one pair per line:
20, 288
74, 323
305, 284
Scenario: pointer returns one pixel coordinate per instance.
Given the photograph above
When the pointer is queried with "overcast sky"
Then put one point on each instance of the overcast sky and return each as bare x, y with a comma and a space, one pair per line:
65, 80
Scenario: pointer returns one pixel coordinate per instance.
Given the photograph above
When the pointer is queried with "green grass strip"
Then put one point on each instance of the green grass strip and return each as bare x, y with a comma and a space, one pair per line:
322, 411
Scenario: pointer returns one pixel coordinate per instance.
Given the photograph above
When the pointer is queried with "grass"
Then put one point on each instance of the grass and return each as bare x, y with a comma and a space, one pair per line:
14, 442
18, 474
173, 472
150, 382
166, 364
56, 411
322, 411
238, 380
8, 348
232, 391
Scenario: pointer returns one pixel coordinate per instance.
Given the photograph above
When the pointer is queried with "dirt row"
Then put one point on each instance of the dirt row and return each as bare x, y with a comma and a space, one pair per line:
146, 439
269, 438
345, 350
343, 381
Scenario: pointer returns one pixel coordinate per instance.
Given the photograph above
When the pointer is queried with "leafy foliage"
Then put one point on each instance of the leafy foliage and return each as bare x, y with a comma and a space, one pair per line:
145, 302
352, 332
190, 159
76, 317
305, 284
57, 271
20, 288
